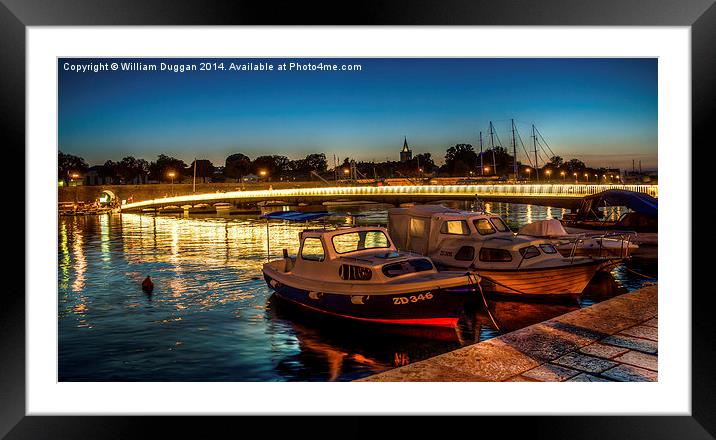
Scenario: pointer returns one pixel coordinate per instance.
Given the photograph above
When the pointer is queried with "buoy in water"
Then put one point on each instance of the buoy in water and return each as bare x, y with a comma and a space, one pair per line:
147, 285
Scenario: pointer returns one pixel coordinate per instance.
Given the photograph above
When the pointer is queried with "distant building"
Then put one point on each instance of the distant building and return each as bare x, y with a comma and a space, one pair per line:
406, 153
93, 177
250, 178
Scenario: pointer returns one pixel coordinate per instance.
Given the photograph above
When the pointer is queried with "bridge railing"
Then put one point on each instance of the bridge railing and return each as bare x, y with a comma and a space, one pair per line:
543, 190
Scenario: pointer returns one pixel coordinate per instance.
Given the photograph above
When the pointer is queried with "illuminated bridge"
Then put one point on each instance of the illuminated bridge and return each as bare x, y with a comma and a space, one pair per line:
563, 196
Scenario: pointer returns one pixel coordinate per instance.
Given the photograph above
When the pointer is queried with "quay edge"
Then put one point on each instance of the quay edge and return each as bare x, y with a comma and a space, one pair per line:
615, 340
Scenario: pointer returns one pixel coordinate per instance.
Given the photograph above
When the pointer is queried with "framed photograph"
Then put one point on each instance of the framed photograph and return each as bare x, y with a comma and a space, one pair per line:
444, 210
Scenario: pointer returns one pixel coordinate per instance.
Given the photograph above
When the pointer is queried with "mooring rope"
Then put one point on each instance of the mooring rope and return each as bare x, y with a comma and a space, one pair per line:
640, 274
503, 285
484, 300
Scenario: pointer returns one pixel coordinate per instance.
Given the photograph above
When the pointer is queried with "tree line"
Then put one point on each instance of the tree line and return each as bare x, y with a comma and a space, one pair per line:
461, 160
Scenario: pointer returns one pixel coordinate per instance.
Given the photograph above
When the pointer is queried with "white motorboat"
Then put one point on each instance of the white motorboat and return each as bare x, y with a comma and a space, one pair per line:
598, 244
482, 242
357, 273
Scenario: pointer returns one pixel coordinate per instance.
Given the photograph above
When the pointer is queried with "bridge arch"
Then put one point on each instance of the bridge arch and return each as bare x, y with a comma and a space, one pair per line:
107, 197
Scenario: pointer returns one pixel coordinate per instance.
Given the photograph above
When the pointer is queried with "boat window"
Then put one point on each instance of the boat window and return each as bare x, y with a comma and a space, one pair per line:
483, 226
417, 227
454, 227
360, 240
499, 224
406, 267
490, 254
312, 249
350, 272
548, 248
466, 253
529, 252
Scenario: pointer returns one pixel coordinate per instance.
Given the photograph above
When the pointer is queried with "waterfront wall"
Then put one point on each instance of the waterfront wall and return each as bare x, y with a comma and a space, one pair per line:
614, 340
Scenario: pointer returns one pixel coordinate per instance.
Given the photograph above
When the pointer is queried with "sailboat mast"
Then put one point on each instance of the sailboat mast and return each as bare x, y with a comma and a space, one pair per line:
534, 143
482, 168
514, 152
492, 147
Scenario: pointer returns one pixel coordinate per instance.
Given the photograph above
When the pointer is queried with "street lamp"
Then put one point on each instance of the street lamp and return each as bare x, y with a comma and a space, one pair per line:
171, 174
587, 176
563, 174
529, 171
576, 179
74, 176
487, 169
549, 173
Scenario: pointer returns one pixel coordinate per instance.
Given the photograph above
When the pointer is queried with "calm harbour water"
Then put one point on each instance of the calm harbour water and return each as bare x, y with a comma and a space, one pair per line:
212, 318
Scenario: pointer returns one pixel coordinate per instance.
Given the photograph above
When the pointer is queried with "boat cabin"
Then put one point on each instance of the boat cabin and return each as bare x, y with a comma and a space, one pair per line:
356, 254
424, 228
466, 239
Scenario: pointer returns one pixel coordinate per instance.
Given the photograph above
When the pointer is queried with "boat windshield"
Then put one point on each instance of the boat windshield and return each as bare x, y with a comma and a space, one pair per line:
407, 266
499, 224
360, 240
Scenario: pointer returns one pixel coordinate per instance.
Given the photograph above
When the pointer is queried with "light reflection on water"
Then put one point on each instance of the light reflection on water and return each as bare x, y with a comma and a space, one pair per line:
212, 318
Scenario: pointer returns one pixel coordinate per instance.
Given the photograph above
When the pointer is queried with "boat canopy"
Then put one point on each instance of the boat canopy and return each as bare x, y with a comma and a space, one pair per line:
305, 216
639, 202
544, 228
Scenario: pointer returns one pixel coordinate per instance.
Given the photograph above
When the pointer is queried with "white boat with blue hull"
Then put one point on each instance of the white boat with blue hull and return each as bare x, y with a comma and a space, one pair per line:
357, 273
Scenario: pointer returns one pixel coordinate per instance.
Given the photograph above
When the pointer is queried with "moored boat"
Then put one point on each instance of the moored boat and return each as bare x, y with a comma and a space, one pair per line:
616, 209
357, 273
597, 244
482, 242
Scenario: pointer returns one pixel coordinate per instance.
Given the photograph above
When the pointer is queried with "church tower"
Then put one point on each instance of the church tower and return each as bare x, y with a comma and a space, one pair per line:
406, 153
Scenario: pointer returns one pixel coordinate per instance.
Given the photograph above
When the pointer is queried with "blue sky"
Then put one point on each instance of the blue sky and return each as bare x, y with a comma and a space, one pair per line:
603, 111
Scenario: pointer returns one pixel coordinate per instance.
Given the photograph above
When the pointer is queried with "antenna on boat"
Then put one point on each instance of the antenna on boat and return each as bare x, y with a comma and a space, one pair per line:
479, 207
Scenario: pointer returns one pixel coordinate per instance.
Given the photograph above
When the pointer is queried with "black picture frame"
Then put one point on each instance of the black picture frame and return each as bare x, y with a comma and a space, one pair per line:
16, 15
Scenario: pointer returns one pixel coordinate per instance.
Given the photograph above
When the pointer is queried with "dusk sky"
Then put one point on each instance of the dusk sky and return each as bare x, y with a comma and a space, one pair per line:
602, 111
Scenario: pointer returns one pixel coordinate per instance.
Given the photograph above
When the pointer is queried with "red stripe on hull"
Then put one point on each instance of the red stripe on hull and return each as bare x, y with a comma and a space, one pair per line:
432, 322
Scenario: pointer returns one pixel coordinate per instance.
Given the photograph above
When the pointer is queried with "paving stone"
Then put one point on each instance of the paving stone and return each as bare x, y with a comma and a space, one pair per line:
599, 320
544, 342
617, 313
642, 331
586, 363
630, 342
639, 359
602, 350
521, 378
551, 373
493, 359
652, 322
423, 372
586, 377
629, 373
